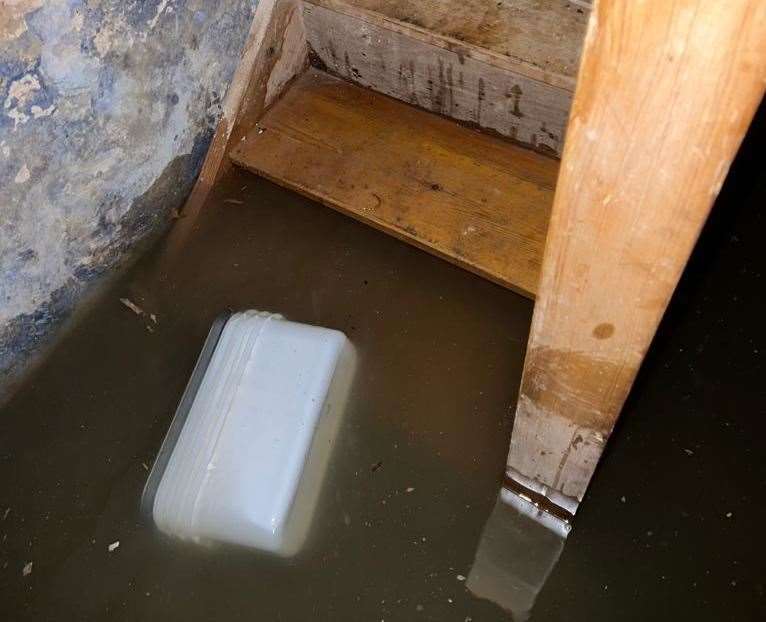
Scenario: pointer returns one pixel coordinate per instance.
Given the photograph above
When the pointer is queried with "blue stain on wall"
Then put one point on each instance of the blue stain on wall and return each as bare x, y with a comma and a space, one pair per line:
106, 111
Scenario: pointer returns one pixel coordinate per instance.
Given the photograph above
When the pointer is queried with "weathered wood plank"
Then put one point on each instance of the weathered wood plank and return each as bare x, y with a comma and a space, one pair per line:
476, 200
517, 99
275, 51
544, 34
666, 93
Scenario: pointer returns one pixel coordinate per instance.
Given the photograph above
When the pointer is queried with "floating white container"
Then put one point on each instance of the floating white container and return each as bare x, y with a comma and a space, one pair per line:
246, 453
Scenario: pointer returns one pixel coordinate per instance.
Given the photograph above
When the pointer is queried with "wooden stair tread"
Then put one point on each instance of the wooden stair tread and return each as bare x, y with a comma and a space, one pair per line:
474, 199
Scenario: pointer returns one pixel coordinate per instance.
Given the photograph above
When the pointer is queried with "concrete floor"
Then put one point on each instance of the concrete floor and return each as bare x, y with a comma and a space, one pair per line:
668, 530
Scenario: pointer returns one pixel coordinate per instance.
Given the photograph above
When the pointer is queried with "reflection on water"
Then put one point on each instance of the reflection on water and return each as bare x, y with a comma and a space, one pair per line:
515, 556
412, 476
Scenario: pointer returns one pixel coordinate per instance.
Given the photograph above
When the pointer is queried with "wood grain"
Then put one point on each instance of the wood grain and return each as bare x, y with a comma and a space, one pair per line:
476, 200
275, 51
545, 34
517, 99
666, 93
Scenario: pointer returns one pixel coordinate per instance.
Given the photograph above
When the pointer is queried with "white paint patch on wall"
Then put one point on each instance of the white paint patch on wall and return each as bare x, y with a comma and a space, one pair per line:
23, 175
19, 93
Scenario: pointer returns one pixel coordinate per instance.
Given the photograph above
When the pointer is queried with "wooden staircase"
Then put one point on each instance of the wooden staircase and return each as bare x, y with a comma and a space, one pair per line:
415, 120
477, 200
427, 132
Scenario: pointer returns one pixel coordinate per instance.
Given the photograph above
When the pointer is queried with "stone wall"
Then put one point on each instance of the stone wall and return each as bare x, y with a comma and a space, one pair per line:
106, 111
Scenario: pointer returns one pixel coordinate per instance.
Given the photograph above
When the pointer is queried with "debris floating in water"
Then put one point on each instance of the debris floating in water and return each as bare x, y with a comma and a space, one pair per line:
141, 313
27, 569
460, 577
132, 306
113, 546
410, 489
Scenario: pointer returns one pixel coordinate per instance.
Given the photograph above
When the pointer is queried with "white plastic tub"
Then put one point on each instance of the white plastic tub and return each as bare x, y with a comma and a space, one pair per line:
245, 455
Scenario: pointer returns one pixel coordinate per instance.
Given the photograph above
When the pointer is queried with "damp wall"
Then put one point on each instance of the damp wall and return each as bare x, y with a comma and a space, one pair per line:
106, 111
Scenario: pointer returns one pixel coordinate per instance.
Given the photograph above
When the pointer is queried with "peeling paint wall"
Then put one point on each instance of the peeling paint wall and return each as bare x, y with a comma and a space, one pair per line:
106, 111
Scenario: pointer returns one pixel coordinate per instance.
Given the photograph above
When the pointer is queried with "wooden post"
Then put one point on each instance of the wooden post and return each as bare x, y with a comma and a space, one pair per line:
665, 94
275, 51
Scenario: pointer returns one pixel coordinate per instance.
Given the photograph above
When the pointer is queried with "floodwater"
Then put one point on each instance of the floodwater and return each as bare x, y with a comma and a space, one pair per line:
407, 519
439, 359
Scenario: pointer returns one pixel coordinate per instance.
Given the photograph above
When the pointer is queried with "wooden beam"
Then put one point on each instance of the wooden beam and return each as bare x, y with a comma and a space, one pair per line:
524, 99
541, 39
665, 95
274, 53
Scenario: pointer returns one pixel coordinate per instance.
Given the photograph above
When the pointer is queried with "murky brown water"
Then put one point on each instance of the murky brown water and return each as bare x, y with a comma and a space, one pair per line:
663, 534
440, 355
